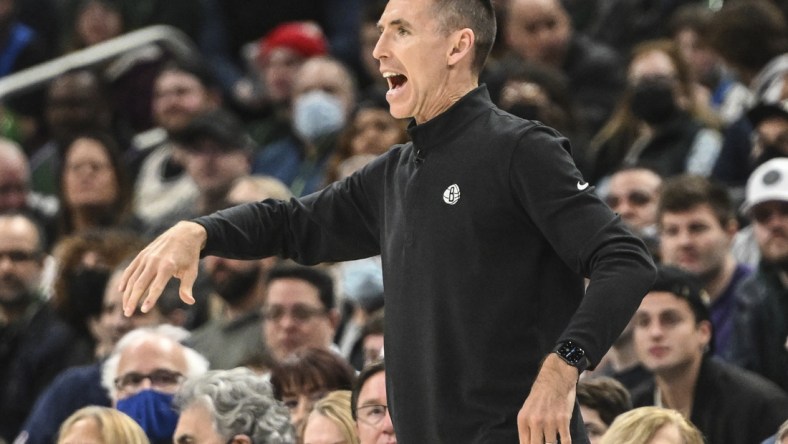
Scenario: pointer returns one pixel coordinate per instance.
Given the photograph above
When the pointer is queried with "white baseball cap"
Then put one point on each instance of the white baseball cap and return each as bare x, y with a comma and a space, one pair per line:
768, 182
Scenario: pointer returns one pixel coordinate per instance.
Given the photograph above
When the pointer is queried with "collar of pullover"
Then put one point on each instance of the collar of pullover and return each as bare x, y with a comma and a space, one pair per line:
444, 126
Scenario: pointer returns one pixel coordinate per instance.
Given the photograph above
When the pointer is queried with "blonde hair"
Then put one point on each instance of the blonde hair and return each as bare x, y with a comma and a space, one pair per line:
638, 426
113, 425
336, 407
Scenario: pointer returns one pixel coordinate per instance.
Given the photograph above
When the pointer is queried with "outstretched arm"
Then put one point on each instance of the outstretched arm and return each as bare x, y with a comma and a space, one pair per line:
175, 253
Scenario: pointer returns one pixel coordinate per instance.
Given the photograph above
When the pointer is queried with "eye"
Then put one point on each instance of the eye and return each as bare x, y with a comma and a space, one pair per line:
402, 31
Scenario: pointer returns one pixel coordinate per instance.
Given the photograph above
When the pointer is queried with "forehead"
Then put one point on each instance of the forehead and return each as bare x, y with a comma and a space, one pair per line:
535, 10
76, 84
174, 78
86, 147
152, 354
698, 213
291, 291
374, 389
651, 63
657, 302
634, 179
17, 232
411, 11
321, 74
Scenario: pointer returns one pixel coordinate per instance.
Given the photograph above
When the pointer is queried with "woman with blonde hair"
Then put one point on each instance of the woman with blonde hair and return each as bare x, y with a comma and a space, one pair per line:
100, 425
652, 425
331, 421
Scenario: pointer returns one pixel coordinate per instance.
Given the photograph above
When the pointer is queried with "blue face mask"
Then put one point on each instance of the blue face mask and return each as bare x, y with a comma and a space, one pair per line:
316, 114
153, 411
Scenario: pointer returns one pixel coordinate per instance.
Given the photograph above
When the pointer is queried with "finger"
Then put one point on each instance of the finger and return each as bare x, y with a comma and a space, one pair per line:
187, 283
134, 289
536, 435
565, 433
155, 288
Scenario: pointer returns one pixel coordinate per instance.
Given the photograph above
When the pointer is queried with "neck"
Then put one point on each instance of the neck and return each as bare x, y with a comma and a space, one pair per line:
717, 284
445, 99
677, 386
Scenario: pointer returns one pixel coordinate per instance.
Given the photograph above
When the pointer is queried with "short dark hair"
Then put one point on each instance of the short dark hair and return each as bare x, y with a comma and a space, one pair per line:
216, 125
366, 373
312, 368
684, 285
687, 191
194, 66
605, 395
748, 34
314, 276
478, 15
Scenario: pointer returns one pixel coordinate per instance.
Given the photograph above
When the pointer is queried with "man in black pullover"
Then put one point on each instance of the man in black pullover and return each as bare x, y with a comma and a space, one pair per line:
486, 231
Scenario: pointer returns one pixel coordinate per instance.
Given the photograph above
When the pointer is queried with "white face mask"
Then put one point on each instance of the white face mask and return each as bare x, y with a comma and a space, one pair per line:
316, 114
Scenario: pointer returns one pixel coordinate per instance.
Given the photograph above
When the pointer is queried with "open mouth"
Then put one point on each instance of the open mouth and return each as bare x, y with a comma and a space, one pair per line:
395, 80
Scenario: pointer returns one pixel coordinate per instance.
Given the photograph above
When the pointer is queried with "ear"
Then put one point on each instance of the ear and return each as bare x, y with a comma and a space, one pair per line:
704, 328
333, 318
462, 46
731, 228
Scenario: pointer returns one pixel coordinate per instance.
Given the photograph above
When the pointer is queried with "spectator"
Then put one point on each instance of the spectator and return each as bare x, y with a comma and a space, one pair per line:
324, 94
672, 331
717, 85
697, 224
22, 46
306, 377
658, 123
541, 31
77, 387
371, 131
230, 406
15, 192
279, 56
601, 400
94, 191
35, 345
762, 318
76, 102
181, 90
633, 193
369, 405
95, 21
143, 373
216, 152
100, 425
234, 334
652, 425
752, 39
331, 421
299, 310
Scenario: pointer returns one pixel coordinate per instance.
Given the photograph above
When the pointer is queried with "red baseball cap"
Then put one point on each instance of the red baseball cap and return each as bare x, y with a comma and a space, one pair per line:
305, 38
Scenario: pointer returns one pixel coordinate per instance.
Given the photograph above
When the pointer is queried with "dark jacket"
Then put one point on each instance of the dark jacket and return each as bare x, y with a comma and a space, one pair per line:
730, 405
486, 229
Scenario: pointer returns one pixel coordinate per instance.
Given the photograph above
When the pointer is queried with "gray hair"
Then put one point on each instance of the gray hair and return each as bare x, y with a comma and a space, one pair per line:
240, 402
196, 363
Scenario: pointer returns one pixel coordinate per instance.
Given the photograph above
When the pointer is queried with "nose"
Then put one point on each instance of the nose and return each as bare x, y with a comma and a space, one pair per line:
379, 51
388, 426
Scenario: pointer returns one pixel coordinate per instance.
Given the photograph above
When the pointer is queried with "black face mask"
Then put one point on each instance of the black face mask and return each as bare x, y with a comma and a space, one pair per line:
86, 290
652, 100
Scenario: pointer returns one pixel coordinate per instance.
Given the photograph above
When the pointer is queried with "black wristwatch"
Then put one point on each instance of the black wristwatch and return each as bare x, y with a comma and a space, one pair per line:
572, 354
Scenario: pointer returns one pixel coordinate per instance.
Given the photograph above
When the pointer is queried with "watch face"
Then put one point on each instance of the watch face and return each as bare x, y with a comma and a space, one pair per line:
571, 352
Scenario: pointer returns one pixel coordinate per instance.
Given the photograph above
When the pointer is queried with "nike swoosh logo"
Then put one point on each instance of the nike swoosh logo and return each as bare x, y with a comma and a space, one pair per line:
582, 186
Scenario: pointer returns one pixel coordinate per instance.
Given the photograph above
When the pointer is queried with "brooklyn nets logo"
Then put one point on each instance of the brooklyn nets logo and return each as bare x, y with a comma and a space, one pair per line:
452, 194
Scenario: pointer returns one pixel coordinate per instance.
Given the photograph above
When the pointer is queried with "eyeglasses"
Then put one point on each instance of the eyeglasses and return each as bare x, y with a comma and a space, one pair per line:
762, 213
159, 378
635, 198
300, 313
19, 255
371, 414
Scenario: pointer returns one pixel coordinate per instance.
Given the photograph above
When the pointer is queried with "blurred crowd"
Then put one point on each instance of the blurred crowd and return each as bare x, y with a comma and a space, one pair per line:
677, 114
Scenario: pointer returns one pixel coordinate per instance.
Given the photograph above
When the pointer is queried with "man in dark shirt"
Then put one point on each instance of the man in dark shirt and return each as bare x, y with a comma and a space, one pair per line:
486, 230
672, 333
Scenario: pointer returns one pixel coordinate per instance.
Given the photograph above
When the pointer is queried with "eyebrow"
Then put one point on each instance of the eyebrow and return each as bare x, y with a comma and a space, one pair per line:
395, 22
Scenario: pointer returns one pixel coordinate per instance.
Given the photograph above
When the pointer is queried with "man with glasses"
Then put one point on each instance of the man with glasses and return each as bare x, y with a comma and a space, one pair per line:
35, 345
299, 310
633, 193
697, 224
369, 405
143, 373
761, 324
